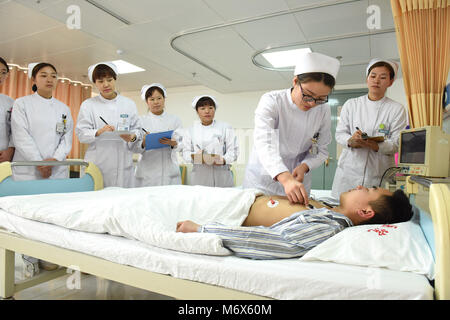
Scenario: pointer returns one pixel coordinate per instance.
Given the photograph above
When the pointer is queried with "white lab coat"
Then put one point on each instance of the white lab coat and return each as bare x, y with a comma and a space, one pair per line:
362, 166
282, 139
159, 166
6, 104
217, 138
34, 121
113, 157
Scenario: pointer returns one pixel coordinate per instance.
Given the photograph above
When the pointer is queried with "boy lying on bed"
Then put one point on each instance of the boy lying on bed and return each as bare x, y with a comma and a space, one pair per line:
275, 228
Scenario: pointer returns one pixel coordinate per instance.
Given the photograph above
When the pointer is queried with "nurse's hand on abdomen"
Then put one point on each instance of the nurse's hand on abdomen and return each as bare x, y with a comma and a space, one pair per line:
295, 190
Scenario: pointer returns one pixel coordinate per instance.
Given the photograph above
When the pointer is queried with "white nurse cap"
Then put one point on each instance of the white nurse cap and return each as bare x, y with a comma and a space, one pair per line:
148, 86
194, 102
31, 67
316, 62
107, 63
393, 64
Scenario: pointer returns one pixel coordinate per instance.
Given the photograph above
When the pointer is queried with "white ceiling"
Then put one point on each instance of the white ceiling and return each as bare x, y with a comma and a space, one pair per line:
192, 42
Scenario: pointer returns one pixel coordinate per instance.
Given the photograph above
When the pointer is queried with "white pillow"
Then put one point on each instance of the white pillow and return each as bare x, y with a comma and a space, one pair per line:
400, 246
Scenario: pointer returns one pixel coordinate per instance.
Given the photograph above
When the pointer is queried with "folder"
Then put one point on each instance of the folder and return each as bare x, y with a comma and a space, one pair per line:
152, 140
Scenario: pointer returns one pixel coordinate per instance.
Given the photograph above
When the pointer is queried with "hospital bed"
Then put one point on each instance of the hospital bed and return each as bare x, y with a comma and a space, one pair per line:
193, 276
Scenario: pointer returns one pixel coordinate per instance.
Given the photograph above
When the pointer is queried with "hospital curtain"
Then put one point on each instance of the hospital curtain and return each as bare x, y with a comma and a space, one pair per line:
72, 94
423, 38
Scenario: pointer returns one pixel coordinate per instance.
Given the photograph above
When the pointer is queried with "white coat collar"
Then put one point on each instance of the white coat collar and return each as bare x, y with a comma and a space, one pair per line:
107, 100
375, 104
162, 115
291, 104
38, 96
210, 126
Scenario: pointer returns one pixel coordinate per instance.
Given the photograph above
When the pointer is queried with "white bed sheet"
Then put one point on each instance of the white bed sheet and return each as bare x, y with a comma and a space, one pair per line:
279, 279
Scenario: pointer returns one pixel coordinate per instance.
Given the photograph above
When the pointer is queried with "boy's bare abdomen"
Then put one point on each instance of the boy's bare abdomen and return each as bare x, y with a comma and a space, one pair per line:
261, 214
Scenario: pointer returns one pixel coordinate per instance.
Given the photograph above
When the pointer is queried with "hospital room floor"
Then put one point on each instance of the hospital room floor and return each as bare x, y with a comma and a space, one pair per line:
91, 288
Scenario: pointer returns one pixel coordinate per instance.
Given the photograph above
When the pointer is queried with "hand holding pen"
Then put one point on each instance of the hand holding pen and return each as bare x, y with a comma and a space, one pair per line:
107, 127
355, 139
364, 135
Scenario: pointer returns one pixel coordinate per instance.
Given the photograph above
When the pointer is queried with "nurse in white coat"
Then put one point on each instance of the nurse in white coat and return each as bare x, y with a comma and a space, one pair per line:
363, 162
99, 117
42, 127
158, 167
292, 131
210, 145
6, 103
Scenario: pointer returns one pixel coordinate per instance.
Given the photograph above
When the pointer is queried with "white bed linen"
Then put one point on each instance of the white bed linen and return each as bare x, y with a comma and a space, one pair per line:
146, 214
279, 279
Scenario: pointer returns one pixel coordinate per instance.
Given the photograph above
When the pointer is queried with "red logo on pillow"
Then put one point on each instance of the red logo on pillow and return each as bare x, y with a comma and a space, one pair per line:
381, 231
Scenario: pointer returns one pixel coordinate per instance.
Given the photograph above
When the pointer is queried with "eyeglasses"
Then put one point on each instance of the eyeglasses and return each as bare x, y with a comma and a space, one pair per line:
308, 99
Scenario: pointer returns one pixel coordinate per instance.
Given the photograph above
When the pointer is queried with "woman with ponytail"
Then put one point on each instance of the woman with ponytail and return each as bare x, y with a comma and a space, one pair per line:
41, 127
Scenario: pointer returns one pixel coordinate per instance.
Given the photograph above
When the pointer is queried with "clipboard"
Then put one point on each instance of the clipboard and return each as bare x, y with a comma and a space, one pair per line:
152, 140
113, 135
376, 139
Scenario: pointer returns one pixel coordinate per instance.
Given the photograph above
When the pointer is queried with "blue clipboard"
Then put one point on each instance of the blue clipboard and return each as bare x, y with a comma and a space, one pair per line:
152, 140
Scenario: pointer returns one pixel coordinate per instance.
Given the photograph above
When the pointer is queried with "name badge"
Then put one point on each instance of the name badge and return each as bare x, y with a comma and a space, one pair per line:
382, 129
314, 147
124, 123
60, 127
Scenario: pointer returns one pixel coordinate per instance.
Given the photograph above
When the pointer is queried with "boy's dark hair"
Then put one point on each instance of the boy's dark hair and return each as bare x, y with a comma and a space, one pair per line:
2, 61
383, 64
326, 78
205, 101
150, 91
36, 69
101, 71
391, 209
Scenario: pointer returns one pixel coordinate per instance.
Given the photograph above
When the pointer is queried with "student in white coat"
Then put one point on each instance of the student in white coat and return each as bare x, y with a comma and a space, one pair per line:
6, 103
292, 131
363, 162
158, 167
42, 127
103, 114
210, 145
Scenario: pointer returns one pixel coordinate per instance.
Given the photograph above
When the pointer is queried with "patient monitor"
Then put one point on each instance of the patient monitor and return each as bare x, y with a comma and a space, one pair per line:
425, 152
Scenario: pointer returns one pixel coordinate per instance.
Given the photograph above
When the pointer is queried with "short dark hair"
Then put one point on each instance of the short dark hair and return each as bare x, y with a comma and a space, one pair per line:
205, 101
326, 78
36, 69
383, 64
2, 61
391, 209
102, 71
150, 91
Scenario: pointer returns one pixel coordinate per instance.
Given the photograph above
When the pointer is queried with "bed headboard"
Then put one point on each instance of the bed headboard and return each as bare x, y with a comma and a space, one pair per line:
92, 180
432, 200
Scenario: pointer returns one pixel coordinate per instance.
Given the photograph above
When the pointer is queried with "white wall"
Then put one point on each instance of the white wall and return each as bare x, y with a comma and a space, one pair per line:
235, 108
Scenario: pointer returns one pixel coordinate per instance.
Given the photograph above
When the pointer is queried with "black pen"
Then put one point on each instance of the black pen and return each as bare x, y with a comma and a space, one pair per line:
363, 135
144, 130
310, 206
104, 121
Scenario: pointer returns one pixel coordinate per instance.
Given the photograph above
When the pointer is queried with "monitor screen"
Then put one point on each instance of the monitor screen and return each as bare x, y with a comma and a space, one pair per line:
413, 147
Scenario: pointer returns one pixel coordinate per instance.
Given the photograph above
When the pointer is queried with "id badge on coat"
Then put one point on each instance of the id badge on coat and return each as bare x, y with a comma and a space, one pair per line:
385, 132
314, 147
124, 123
61, 127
